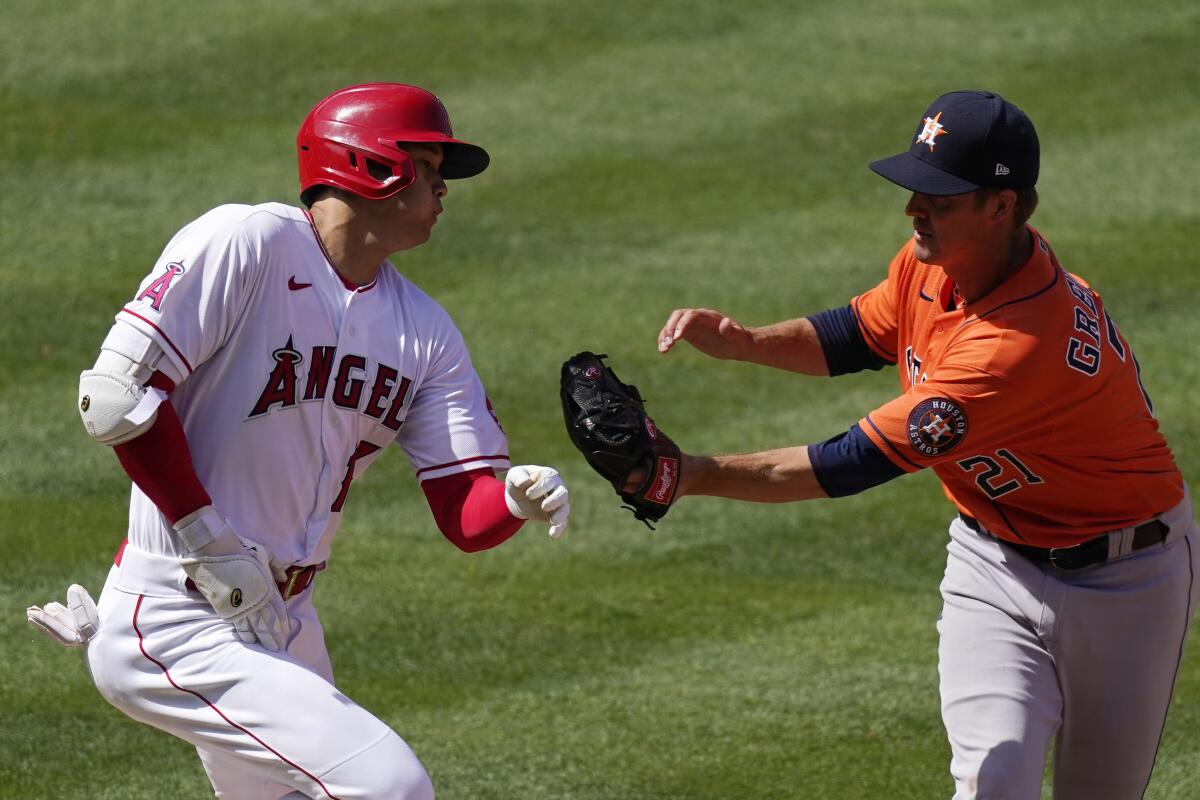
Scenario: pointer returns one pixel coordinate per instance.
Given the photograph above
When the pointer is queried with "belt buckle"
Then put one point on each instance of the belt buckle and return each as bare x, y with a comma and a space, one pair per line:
294, 575
1052, 557
1076, 556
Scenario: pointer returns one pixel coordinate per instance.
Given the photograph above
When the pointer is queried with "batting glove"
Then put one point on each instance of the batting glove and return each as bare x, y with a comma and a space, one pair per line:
235, 577
539, 494
70, 625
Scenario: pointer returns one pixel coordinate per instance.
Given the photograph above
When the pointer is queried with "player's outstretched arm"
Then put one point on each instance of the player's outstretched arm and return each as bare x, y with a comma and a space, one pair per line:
770, 476
792, 345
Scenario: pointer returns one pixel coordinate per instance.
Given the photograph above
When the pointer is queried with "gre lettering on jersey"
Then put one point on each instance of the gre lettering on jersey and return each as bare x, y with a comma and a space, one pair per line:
1083, 354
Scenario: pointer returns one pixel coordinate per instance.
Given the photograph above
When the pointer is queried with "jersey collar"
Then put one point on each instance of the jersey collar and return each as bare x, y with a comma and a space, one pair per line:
1036, 276
317, 237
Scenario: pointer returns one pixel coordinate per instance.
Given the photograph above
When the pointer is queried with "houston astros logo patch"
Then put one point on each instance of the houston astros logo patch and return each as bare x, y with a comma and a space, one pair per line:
936, 426
931, 131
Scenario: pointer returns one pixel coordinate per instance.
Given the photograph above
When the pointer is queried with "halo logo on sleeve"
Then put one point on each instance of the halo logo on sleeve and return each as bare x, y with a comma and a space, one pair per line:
158, 287
936, 426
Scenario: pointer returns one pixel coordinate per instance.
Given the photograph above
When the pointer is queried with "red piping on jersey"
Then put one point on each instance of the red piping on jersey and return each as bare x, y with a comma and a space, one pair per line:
503, 456
166, 338
366, 288
142, 646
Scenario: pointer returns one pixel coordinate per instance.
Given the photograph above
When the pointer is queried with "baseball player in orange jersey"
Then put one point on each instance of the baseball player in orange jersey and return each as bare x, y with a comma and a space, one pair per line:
268, 359
1071, 570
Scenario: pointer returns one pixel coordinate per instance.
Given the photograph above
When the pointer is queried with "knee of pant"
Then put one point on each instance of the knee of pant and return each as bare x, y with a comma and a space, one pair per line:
1008, 772
388, 770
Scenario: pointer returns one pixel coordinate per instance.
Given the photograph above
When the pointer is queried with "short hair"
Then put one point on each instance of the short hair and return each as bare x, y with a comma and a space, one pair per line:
1027, 200
318, 192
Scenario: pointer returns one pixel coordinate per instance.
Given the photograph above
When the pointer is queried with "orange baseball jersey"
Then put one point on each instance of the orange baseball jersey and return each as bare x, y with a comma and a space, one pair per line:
1027, 403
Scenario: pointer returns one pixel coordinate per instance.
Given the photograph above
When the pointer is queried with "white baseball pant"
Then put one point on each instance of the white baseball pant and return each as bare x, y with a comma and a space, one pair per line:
266, 725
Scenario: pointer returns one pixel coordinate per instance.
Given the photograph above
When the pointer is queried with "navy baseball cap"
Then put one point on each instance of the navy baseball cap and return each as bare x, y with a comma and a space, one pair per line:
965, 141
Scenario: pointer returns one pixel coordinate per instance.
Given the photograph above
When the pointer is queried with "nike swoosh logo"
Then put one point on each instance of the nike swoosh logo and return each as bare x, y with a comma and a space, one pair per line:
294, 286
923, 296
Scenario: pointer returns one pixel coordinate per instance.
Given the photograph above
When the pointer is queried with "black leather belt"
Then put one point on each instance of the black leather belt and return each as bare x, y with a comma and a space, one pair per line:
1085, 554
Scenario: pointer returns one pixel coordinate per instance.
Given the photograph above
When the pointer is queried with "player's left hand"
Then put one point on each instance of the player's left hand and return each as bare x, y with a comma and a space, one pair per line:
538, 493
71, 625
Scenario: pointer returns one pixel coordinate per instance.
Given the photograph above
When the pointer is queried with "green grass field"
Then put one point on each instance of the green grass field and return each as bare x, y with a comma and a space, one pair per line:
646, 155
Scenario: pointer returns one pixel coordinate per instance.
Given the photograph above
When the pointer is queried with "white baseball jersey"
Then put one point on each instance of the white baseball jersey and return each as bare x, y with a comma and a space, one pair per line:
290, 382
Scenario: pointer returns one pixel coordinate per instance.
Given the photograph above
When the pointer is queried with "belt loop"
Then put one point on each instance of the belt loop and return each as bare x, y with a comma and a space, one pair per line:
1120, 543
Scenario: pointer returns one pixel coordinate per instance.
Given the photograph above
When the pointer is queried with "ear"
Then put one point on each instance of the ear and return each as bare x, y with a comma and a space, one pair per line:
1002, 205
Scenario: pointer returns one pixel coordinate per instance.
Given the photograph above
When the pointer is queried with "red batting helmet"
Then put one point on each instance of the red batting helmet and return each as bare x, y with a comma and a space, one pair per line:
352, 138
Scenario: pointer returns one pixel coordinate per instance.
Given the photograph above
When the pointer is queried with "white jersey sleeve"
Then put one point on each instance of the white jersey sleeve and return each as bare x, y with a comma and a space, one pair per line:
195, 295
450, 426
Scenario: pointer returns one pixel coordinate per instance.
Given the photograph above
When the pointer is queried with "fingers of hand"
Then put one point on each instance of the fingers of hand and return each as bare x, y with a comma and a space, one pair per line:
691, 324
517, 484
667, 336
244, 630
555, 500
558, 518
270, 623
558, 522
545, 481
519, 477
538, 493
83, 611
56, 622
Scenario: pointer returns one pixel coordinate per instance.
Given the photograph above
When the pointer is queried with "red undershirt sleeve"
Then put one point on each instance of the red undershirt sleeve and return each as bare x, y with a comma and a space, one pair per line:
160, 463
469, 509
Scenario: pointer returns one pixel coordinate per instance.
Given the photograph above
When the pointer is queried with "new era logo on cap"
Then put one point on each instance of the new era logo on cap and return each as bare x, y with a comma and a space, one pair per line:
964, 141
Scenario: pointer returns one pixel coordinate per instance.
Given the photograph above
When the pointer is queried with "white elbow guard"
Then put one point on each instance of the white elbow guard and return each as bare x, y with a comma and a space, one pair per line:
114, 402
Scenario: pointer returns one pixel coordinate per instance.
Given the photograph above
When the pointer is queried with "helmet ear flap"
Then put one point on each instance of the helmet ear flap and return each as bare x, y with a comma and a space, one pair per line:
369, 175
393, 174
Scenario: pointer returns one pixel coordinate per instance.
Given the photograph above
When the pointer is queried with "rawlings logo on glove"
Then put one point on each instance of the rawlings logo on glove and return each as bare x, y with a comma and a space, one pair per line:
606, 420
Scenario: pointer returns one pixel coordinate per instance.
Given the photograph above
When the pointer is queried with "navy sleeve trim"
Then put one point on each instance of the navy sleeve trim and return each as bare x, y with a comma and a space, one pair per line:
850, 463
842, 342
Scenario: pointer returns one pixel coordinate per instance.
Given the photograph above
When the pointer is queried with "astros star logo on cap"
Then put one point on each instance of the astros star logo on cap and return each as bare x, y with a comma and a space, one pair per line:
931, 131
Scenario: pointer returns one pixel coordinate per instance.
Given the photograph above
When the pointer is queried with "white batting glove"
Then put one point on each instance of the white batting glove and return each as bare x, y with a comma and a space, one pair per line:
539, 494
70, 625
235, 577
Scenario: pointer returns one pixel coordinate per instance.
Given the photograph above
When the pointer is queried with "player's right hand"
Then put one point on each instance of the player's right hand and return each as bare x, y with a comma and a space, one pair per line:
709, 331
235, 577
538, 493
71, 625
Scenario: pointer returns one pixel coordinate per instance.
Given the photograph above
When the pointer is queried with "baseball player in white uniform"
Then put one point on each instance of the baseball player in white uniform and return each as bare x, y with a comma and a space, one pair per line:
265, 362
